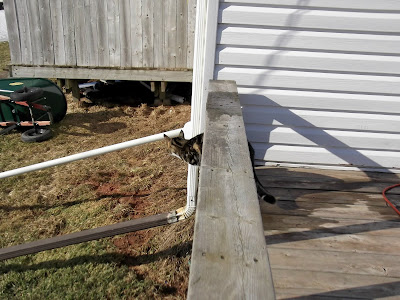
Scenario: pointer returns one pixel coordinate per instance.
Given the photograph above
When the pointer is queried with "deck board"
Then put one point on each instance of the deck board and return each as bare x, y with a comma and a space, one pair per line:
331, 235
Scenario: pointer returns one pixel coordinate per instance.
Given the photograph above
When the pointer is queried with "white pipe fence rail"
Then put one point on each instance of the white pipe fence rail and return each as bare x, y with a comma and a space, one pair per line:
90, 153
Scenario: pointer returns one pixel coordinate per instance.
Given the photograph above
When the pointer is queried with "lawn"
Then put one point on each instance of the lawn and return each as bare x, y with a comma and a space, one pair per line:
4, 55
115, 187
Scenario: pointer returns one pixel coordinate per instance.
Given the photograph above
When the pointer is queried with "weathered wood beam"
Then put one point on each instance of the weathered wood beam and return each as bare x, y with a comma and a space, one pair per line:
88, 235
103, 73
229, 256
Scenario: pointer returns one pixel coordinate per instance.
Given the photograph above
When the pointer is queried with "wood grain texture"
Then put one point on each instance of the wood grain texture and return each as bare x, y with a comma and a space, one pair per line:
159, 33
148, 37
191, 31
91, 32
102, 34
79, 28
68, 19
57, 32
229, 260
170, 43
182, 33
136, 33
87, 235
45, 32
113, 31
13, 31
143, 34
35, 28
25, 32
124, 31
331, 236
105, 73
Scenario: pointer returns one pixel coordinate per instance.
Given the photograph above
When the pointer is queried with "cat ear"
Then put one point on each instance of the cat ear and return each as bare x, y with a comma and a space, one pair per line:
166, 137
182, 134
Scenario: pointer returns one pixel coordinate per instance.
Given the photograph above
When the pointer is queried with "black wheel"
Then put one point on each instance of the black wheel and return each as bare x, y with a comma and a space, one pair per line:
27, 94
38, 135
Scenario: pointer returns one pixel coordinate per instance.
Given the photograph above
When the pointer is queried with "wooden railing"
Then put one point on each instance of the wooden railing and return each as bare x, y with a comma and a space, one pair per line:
229, 256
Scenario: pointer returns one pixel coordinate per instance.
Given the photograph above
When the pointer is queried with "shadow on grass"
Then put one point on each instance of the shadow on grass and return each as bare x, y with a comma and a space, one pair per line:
7, 208
180, 250
93, 123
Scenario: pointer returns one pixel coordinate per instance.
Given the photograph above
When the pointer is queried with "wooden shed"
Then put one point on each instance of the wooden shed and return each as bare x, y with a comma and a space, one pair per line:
147, 40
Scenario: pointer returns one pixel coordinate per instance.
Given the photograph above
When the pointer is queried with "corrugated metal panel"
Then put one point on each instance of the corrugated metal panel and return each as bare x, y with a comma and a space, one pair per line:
319, 80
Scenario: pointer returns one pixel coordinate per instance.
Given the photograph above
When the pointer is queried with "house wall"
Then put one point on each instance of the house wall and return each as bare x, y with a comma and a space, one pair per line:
117, 34
319, 81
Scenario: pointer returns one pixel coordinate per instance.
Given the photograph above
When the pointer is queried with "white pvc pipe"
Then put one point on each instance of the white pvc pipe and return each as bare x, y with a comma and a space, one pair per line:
202, 73
90, 153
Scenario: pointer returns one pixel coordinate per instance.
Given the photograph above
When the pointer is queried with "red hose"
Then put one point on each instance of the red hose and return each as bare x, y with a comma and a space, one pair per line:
387, 200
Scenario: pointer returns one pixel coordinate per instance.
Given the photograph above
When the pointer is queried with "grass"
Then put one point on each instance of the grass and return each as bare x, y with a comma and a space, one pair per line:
89, 272
115, 187
4, 56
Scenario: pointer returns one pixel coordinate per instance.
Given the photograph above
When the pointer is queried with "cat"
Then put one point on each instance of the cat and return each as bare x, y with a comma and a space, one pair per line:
262, 192
190, 152
187, 150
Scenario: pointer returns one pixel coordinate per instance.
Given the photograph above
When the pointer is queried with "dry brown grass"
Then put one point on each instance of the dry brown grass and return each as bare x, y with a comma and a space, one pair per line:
127, 184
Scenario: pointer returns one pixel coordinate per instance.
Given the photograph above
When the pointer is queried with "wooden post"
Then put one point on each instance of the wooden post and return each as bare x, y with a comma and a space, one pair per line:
229, 256
72, 85
60, 82
155, 88
163, 94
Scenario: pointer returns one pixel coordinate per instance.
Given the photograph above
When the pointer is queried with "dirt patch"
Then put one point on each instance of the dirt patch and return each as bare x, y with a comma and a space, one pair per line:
131, 241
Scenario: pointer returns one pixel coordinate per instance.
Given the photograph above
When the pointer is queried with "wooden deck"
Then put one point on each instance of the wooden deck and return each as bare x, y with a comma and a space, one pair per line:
331, 235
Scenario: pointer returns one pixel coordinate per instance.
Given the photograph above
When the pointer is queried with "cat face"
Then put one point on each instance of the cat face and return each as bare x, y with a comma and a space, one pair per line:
175, 145
187, 150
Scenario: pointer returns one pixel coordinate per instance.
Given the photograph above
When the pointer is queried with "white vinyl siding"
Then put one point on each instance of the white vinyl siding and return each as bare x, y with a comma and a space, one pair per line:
319, 81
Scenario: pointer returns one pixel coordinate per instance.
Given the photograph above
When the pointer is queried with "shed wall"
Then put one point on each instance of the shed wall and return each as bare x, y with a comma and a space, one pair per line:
118, 34
319, 81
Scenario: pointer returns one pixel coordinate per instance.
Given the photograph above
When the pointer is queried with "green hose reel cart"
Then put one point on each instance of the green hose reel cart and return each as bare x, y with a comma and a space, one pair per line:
33, 104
